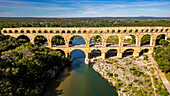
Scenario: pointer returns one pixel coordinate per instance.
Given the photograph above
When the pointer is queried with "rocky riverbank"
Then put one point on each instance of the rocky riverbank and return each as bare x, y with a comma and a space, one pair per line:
131, 75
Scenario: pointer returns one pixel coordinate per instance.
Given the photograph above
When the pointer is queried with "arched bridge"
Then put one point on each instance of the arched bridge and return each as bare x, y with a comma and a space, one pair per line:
88, 32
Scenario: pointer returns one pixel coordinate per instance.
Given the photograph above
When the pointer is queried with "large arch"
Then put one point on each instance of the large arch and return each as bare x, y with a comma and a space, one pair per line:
158, 38
23, 38
146, 40
40, 40
95, 53
95, 40
78, 54
57, 40
112, 40
128, 52
111, 53
77, 40
129, 40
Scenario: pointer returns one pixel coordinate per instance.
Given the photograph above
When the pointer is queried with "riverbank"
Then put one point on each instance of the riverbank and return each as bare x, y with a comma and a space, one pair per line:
131, 75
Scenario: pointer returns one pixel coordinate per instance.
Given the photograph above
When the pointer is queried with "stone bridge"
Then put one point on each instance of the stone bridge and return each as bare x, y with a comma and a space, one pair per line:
88, 32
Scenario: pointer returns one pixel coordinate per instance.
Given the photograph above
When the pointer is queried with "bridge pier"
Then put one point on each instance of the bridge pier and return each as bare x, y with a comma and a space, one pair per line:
87, 58
103, 55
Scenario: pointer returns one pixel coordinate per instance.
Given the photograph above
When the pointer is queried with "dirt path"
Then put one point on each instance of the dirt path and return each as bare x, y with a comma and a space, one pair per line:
160, 73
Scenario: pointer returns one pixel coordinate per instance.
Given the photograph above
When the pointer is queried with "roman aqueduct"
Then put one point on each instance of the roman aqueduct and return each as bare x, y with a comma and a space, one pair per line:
88, 32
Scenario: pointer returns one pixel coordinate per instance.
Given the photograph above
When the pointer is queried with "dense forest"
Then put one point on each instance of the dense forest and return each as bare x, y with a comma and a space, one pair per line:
25, 68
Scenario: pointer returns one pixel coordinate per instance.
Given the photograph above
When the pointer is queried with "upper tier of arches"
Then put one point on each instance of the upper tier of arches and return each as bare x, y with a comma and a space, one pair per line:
83, 30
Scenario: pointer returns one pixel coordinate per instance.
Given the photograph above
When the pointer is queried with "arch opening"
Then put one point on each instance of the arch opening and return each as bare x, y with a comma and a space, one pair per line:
159, 39
40, 40
145, 40
129, 41
23, 39
95, 41
77, 53
77, 40
112, 41
128, 52
111, 53
57, 41
143, 51
95, 53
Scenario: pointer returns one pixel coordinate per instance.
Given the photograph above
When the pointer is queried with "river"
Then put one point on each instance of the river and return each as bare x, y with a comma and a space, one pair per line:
79, 79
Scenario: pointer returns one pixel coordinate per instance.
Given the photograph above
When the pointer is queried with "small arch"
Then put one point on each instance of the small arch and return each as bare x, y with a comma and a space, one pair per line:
5, 31
90, 31
57, 41
101, 31
142, 30
161, 30
130, 31
51, 31
33, 31
111, 53
95, 40
108, 31
22, 31
147, 30
16, 31
40, 40
128, 52
79, 31
39, 31
28, 31
119, 31
63, 31
58, 31
112, 41
23, 39
74, 31
159, 37
77, 40
129, 40
156, 30
95, 53
45, 31
124, 31
113, 31
136, 30
145, 40
95, 31
68, 31
152, 30
10, 31
166, 30
84, 31
143, 51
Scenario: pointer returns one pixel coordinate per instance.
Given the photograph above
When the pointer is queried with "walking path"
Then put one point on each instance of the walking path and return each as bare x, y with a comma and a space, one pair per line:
160, 73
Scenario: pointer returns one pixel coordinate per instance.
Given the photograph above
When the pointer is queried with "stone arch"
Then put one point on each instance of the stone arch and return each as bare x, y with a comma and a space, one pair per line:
74, 31
41, 40
159, 37
146, 40
77, 40
130, 40
78, 54
63, 31
57, 40
95, 53
28, 31
128, 52
24, 38
145, 50
45, 31
4, 31
10, 31
95, 40
111, 53
16, 31
33, 31
22, 31
68, 31
112, 40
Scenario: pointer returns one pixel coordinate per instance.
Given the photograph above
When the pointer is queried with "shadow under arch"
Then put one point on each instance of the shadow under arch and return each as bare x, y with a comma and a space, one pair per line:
112, 40
143, 51
111, 53
57, 40
77, 40
95, 53
23, 38
128, 52
40, 40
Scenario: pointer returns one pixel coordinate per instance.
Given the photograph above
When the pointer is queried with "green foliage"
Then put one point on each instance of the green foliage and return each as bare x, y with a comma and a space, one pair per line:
145, 40
145, 57
163, 42
161, 56
58, 40
109, 74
